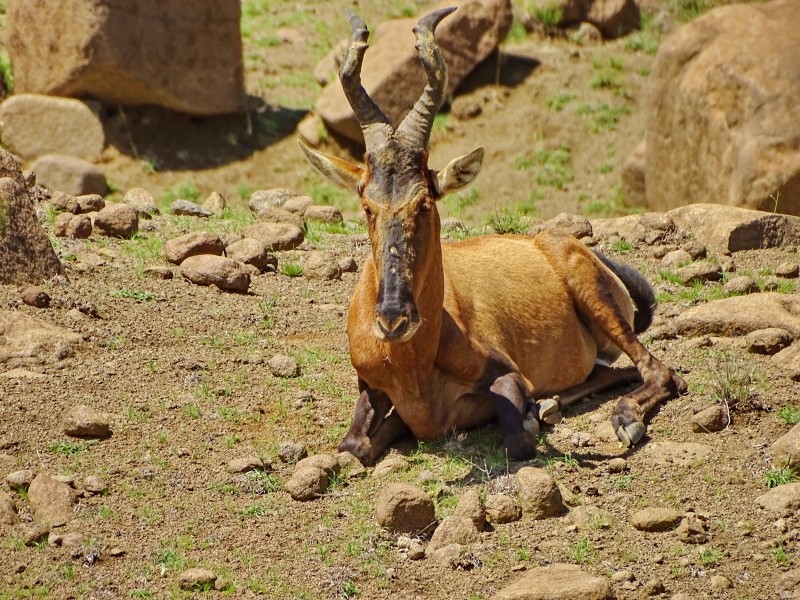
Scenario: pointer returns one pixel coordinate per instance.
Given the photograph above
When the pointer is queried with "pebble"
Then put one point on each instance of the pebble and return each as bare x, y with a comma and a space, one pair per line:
617, 465
85, 422
291, 452
654, 587
189, 208
787, 270
283, 366
36, 297
245, 464
720, 582
95, 484
195, 578
20, 479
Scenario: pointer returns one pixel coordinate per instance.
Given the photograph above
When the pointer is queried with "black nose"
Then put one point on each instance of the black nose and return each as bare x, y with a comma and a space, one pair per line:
393, 322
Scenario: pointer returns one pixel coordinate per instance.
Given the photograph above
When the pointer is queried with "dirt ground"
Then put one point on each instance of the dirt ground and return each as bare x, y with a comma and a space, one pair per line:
182, 369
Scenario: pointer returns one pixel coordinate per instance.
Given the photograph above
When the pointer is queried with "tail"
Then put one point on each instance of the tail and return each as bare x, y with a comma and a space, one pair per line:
638, 287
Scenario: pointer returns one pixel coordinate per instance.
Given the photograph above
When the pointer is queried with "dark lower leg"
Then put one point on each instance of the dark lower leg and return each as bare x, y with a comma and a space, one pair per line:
375, 426
508, 394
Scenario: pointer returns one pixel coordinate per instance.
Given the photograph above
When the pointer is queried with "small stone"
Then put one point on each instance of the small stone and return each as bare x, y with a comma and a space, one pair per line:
656, 519
538, 493
73, 539
117, 220
416, 551
35, 296
470, 506
20, 479
321, 265
453, 530
348, 265
307, 483
446, 556
740, 286
692, 530
350, 465
617, 465
557, 582
324, 214
502, 508
700, 272
767, 341
711, 419
326, 462
69, 174
64, 202
51, 501
35, 533
245, 464
787, 586
275, 236
192, 579
405, 508
291, 452
621, 576
785, 450
695, 249
389, 466
283, 366
787, 270
784, 499
116, 551
273, 197
141, 200
8, 510
653, 587
662, 250
465, 108
207, 269
163, 273
189, 209
90, 203
85, 422
298, 204
587, 517
720, 582
95, 484
252, 252
215, 203
195, 243
676, 259
273, 214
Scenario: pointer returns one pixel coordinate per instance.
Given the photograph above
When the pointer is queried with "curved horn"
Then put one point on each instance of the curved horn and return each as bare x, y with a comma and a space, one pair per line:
416, 126
374, 124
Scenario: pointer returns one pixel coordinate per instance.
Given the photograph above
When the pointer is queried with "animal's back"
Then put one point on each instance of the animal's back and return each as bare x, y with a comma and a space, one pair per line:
514, 299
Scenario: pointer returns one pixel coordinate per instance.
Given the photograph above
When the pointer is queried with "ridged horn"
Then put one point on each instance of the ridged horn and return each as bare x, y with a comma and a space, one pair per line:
415, 130
374, 124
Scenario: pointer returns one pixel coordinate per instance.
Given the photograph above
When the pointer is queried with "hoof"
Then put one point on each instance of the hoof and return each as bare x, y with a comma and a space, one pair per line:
531, 426
630, 435
548, 411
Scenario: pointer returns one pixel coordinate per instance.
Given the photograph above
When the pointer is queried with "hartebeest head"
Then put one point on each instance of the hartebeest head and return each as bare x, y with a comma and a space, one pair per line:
396, 188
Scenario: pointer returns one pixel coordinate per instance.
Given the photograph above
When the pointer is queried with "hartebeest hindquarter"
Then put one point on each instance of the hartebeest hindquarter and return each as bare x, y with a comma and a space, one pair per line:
450, 336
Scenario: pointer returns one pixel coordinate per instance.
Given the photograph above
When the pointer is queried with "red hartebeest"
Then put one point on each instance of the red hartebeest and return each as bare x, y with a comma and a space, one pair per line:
450, 336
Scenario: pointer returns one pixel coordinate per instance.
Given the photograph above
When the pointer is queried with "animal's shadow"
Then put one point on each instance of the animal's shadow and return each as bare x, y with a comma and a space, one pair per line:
481, 449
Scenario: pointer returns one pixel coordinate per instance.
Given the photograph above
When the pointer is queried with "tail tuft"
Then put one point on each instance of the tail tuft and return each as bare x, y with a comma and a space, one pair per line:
638, 287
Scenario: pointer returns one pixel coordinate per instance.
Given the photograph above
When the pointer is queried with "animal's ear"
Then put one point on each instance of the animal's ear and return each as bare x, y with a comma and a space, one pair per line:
343, 172
459, 172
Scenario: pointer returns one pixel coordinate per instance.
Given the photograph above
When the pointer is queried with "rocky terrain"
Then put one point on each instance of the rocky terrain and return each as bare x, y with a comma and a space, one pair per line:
173, 391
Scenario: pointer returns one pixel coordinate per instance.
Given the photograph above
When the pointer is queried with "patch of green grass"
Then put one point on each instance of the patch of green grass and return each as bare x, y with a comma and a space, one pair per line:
779, 476
517, 33
7, 73
781, 556
138, 295
686, 10
581, 551
349, 589
264, 482
559, 101
507, 221
731, 381
192, 411
607, 80
605, 168
789, 415
602, 117
555, 170
612, 206
623, 482
710, 556
186, 190
549, 14
622, 246
69, 447
455, 203
143, 250
291, 269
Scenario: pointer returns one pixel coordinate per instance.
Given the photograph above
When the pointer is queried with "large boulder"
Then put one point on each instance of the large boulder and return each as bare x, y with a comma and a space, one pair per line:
32, 125
69, 174
182, 54
26, 255
723, 118
392, 74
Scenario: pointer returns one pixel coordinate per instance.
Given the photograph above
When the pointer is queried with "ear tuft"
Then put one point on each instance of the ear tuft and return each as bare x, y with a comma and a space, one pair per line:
338, 170
459, 172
